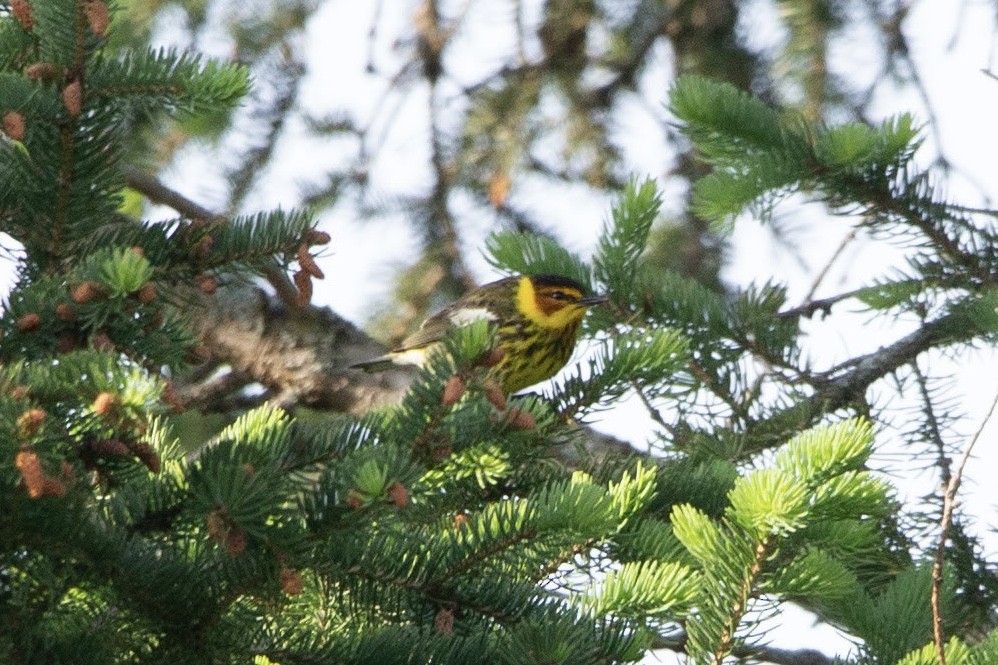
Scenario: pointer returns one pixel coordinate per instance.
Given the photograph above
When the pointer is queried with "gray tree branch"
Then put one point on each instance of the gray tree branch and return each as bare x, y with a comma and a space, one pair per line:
302, 356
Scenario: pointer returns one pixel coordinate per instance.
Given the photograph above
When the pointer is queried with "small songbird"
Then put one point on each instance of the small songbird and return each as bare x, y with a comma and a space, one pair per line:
536, 319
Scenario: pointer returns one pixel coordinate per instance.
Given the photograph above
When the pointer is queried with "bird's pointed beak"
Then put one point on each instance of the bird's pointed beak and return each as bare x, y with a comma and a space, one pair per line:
591, 300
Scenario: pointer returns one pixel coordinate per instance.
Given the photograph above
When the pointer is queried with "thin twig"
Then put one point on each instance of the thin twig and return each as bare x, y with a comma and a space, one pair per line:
157, 192
652, 411
810, 307
949, 501
828, 265
934, 429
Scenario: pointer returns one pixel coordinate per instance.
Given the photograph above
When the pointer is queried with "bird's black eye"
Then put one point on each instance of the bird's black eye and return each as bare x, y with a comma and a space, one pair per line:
558, 295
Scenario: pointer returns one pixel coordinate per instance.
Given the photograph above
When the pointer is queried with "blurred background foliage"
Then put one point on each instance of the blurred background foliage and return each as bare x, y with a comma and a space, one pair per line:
503, 110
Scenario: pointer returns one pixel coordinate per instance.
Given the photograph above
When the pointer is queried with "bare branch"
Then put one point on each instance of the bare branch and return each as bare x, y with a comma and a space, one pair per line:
949, 502
844, 384
762, 653
301, 356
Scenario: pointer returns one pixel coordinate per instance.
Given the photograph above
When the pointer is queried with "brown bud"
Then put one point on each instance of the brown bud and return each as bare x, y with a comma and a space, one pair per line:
171, 398
493, 357
28, 322
453, 391
44, 71
66, 344
494, 394
521, 419
65, 312
307, 262
443, 622
99, 341
206, 283
315, 237
442, 452
29, 422
32, 475
235, 541
217, 524
249, 469
398, 494
138, 249
86, 292
147, 293
304, 283
72, 98
223, 531
105, 403
499, 185
354, 500
20, 392
53, 487
13, 125
156, 319
21, 11
98, 17
460, 521
110, 448
147, 455
203, 249
291, 581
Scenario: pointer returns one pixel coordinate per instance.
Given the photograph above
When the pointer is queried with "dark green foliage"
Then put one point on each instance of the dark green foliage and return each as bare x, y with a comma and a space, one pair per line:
760, 155
523, 254
645, 359
150, 82
115, 547
625, 237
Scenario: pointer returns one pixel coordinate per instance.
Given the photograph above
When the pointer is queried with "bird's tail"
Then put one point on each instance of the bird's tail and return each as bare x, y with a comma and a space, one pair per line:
379, 364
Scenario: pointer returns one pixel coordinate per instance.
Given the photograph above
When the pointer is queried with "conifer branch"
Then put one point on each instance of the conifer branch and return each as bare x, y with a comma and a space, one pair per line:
482, 555
842, 385
157, 192
744, 593
763, 654
778, 656
653, 412
932, 421
900, 207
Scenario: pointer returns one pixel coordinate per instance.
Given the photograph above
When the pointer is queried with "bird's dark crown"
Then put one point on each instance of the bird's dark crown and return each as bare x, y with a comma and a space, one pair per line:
551, 280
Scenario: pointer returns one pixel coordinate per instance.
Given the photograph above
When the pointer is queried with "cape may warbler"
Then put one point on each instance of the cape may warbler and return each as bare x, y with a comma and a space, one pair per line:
536, 318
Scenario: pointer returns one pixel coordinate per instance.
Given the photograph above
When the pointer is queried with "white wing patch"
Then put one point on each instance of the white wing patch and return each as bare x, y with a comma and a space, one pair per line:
417, 357
467, 315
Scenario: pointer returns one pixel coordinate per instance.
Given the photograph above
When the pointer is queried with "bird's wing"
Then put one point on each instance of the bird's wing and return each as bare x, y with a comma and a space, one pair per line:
437, 326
